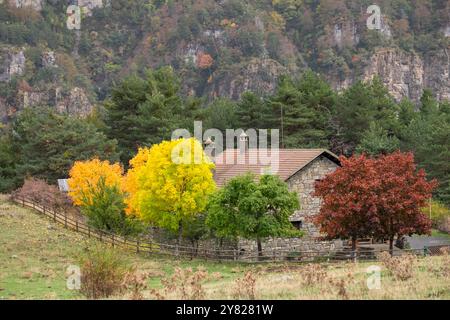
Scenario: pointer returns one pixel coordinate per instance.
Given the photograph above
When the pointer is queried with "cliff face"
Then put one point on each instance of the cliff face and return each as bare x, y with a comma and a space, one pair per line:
405, 75
258, 75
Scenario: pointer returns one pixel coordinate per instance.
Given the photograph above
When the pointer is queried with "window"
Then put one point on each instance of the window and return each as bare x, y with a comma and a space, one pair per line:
297, 224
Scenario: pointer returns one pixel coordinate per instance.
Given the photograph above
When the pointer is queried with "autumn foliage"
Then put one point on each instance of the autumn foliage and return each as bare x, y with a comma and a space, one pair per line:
169, 183
130, 181
85, 175
379, 198
204, 61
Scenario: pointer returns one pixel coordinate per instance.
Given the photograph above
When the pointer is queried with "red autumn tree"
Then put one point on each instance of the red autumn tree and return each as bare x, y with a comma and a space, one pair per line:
402, 192
349, 204
379, 197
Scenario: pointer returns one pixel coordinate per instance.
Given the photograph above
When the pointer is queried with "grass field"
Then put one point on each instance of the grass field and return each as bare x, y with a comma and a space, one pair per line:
35, 253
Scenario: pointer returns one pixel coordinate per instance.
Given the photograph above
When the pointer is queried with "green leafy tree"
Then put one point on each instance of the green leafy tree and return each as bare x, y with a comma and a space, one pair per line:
253, 209
104, 207
195, 230
47, 144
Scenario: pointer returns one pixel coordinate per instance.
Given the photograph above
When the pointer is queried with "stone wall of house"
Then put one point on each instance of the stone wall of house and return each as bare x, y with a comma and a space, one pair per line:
303, 183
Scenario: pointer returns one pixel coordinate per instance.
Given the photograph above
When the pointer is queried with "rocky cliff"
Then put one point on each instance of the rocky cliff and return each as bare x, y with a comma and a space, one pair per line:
407, 74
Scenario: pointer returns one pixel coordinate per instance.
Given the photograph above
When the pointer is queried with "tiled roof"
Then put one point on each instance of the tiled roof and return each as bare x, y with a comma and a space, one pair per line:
290, 162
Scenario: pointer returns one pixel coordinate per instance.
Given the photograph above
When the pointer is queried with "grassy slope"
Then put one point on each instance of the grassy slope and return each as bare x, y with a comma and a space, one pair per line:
35, 252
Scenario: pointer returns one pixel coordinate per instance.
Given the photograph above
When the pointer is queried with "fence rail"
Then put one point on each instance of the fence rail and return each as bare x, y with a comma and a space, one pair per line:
147, 246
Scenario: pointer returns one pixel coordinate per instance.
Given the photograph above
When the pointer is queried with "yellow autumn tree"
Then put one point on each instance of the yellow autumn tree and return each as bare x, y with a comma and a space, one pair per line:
85, 175
170, 183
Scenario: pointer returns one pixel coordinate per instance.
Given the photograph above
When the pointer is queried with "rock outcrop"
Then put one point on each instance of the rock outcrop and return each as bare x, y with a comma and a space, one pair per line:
13, 64
405, 74
259, 75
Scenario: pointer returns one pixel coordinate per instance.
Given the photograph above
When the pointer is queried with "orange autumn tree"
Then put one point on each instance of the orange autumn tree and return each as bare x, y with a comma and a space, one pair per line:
85, 175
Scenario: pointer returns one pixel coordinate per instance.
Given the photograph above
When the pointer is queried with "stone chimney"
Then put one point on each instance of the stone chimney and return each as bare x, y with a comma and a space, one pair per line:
243, 142
210, 148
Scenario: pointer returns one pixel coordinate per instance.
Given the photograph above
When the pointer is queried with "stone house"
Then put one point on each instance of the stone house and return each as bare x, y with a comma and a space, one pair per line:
300, 169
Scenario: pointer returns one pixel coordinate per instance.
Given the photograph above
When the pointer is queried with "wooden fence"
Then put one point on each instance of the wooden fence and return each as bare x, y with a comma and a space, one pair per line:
145, 245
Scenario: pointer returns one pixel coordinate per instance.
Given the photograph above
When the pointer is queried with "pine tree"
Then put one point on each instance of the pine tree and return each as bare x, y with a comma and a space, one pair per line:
8, 178
253, 112
360, 105
143, 112
428, 136
303, 110
376, 141
47, 143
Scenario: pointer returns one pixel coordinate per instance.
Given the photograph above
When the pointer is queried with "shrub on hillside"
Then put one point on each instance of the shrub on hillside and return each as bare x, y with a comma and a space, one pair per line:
183, 284
402, 267
40, 192
104, 207
103, 272
245, 287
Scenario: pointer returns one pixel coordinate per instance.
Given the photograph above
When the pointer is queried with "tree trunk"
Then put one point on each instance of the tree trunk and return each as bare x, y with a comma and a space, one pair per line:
391, 246
354, 249
258, 242
180, 237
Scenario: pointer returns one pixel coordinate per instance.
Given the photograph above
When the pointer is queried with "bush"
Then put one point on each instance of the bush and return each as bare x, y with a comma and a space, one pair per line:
185, 284
245, 287
103, 273
313, 274
402, 268
104, 207
40, 192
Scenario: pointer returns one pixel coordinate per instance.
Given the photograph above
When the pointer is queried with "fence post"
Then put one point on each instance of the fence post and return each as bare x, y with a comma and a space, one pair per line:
65, 221
76, 225
23, 202
137, 246
54, 215
89, 231
112, 240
